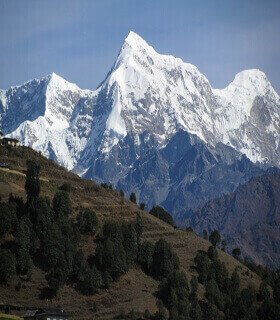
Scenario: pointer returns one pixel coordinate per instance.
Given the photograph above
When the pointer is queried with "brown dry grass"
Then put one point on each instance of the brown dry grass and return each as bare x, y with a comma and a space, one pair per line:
135, 290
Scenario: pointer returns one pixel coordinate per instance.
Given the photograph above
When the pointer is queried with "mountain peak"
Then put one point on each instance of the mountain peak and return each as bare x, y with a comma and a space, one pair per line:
59, 83
252, 81
134, 40
250, 75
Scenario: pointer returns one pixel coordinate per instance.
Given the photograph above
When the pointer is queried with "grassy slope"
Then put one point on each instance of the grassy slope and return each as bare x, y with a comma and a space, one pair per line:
135, 290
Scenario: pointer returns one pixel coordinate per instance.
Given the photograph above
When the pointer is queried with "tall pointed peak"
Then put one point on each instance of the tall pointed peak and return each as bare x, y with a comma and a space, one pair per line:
136, 42
54, 77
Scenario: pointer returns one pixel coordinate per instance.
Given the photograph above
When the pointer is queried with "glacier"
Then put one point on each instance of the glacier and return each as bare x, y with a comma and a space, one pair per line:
145, 99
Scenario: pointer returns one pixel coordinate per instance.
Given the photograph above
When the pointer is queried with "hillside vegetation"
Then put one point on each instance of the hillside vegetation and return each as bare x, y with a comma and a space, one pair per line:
95, 223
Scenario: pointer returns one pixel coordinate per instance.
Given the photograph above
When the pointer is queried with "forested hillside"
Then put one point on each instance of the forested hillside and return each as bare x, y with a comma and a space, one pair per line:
69, 242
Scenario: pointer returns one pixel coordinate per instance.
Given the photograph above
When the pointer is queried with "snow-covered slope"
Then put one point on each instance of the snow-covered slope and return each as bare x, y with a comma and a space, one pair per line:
248, 116
144, 92
43, 114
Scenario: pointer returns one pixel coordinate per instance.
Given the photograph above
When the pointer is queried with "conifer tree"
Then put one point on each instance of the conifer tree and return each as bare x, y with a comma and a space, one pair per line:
32, 183
132, 197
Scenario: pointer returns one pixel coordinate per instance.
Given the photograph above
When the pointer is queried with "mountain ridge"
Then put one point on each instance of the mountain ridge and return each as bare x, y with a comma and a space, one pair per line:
145, 97
249, 218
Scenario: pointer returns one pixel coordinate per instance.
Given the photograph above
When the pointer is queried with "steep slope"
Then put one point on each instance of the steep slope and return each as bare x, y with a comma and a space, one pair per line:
122, 128
249, 218
248, 118
135, 290
49, 115
181, 176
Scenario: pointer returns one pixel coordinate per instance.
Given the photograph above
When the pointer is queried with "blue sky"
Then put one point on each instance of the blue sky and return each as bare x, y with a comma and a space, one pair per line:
80, 39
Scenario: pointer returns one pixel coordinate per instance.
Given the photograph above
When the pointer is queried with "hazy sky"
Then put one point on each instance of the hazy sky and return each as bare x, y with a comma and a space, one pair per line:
80, 39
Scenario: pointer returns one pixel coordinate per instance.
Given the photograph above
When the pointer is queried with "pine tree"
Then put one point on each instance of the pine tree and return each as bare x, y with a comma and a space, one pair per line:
263, 293
7, 217
165, 260
130, 243
205, 234
62, 204
132, 197
215, 238
145, 257
87, 222
7, 266
139, 226
142, 206
174, 292
236, 252
194, 287
32, 183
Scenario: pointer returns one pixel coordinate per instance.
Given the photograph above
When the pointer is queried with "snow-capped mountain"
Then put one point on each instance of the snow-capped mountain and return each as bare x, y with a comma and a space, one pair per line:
144, 101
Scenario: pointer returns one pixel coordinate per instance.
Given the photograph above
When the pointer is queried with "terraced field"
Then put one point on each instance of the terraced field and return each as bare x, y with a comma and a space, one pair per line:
133, 291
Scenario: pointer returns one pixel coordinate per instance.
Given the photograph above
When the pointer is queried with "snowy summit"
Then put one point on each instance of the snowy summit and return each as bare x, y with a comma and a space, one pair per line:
144, 92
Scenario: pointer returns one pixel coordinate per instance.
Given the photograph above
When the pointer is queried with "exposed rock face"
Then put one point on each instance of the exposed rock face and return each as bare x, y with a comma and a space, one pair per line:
248, 218
182, 175
129, 131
